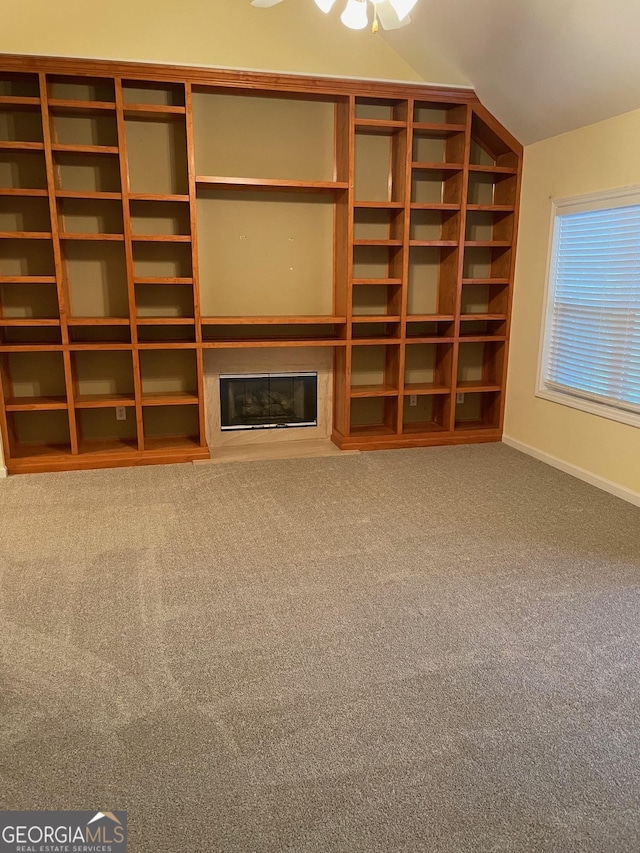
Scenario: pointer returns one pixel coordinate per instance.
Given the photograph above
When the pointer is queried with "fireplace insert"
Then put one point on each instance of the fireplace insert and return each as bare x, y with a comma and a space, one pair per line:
268, 400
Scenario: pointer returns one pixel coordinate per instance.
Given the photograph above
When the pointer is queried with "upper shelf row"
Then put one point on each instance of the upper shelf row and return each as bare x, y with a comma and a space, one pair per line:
302, 138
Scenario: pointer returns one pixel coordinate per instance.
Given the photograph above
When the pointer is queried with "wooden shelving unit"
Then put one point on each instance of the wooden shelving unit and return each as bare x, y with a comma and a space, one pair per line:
445, 197
150, 213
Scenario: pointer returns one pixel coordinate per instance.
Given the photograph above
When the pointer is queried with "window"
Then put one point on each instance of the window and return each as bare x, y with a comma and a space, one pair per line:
590, 356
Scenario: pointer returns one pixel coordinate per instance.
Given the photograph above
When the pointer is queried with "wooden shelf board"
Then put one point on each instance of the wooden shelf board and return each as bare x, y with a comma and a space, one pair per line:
95, 238
35, 404
488, 244
170, 399
416, 205
98, 346
433, 243
158, 197
481, 338
425, 388
498, 170
26, 193
273, 342
161, 238
377, 243
97, 321
176, 449
475, 426
61, 148
375, 318
165, 321
375, 126
103, 401
435, 129
19, 101
421, 427
28, 321
468, 317
368, 342
142, 111
371, 430
25, 235
379, 205
167, 344
39, 451
175, 443
503, 281
476, 387
275, 184
281, 320
162, 280
428, 339
32, 347
378, 281
381, 339
97, 196
108, 446
490, 208
66, 105
430, 318
10, 145
373, 391
105, 454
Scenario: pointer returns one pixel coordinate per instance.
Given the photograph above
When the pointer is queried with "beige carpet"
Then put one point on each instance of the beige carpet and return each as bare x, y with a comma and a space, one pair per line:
428, 650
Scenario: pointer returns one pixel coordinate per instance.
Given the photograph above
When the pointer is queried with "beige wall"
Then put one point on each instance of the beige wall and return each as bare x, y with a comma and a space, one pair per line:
292, 37
598, 157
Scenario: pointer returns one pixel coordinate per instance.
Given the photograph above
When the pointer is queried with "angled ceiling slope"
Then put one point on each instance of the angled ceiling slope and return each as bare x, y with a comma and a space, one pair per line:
542, 67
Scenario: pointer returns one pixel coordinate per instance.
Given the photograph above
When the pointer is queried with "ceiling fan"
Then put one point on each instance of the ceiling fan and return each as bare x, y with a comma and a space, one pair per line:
392, 14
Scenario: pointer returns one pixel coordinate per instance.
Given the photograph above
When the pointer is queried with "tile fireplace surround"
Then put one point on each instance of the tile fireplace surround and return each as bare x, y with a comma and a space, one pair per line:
216, 362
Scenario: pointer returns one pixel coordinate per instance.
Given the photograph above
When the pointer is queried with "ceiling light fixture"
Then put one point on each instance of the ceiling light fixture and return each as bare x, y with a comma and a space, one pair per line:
392, 14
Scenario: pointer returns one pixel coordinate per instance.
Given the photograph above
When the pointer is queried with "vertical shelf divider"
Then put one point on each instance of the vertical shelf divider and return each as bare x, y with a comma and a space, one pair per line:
61, 285
461, 239
195, 270
344, 164
406, 250
6, 392
128, 248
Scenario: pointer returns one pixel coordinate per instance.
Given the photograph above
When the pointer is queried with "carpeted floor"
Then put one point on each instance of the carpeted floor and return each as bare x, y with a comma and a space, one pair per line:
428, 650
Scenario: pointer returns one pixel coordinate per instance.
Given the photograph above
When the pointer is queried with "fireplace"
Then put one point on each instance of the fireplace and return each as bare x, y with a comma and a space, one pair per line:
268, 400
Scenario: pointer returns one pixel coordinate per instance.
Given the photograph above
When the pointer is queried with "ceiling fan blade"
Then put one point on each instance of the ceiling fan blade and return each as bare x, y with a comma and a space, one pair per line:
325, 5
389, 17
265, 4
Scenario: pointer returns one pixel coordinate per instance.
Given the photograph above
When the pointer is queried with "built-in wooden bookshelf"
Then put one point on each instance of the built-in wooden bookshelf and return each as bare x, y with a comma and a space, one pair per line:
148, 213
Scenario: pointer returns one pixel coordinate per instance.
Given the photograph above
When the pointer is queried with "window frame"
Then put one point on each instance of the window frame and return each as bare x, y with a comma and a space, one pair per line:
606, 200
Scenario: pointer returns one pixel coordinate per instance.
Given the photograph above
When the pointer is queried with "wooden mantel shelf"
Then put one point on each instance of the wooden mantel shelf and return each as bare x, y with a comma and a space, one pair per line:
283, 320
274, 184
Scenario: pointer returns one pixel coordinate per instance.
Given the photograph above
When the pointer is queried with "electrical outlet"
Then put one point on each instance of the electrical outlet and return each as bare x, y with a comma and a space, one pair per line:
459, 398
121, 413
413, 399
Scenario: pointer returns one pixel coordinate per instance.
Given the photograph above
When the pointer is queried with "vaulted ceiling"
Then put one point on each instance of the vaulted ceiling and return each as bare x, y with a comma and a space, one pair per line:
543, 67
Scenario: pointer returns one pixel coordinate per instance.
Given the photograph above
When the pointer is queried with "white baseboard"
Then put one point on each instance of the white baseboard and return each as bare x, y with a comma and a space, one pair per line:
575, 471
3, 472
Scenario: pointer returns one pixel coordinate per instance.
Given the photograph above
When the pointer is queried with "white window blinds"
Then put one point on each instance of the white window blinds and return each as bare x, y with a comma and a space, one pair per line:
592, 347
